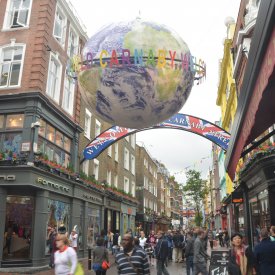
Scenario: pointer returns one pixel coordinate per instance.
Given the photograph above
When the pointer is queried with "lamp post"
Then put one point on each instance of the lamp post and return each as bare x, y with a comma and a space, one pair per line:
33, 144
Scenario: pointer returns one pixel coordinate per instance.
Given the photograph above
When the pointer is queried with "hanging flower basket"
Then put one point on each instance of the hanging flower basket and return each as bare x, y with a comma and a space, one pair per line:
256, 154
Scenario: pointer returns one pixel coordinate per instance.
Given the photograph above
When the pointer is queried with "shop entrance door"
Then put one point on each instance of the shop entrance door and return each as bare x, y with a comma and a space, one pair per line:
18, 228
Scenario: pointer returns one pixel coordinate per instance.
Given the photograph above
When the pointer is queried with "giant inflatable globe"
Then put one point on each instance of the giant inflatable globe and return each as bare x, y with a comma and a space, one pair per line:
136, 74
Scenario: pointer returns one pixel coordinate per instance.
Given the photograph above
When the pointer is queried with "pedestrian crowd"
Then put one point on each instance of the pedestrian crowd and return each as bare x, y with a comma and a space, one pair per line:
135, 254
138, 253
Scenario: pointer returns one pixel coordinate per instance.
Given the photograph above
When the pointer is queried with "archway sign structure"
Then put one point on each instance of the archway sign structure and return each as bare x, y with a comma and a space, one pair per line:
179, 121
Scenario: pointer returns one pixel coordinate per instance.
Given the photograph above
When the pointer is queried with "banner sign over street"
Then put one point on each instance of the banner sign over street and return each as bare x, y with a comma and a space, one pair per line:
183, 122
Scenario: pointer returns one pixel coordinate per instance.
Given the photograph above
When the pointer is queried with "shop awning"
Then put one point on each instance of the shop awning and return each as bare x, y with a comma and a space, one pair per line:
256, 103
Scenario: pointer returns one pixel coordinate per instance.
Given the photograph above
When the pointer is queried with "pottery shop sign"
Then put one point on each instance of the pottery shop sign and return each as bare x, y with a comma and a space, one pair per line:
52, 185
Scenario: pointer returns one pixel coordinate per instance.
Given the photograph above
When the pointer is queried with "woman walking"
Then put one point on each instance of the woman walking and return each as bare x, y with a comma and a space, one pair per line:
100, 255
241, 259
65, 258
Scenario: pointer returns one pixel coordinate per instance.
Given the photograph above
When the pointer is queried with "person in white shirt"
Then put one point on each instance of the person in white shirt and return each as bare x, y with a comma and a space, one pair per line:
142, 239
73, 239
65, 258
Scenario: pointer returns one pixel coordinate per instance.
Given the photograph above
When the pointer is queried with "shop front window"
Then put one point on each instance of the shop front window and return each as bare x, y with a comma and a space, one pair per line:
1, 121
241, 226
80, 229
125, 223
93, 230
117, 221
260, 215
55, 145
18, 227
15, 121
58, 215
12, 143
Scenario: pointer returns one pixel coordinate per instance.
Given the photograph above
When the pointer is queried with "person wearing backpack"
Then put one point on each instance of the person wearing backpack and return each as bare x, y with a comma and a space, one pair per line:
178, 245
100, 254
169, 238
161, 253
189, 252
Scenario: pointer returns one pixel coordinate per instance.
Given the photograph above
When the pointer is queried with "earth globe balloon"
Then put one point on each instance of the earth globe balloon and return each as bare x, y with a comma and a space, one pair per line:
136, 74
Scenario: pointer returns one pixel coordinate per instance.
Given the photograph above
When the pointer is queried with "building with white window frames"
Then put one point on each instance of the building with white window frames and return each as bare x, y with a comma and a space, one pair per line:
146, 190
40, 132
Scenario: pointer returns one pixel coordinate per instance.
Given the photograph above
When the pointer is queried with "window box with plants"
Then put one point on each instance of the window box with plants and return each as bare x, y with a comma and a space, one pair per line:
8, 158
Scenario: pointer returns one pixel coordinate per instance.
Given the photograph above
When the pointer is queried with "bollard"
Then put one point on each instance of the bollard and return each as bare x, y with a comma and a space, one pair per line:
89, 258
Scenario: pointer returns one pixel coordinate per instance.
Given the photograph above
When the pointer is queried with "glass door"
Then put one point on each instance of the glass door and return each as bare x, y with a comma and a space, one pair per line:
18, 227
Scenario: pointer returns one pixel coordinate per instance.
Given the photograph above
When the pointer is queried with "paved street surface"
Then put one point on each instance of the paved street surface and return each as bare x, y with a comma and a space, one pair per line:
173, 268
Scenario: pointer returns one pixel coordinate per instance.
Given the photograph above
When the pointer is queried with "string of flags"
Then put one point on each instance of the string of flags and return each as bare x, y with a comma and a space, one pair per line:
194, 165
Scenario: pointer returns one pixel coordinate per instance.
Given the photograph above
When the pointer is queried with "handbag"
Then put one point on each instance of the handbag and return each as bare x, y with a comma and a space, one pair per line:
105, 265
79, 269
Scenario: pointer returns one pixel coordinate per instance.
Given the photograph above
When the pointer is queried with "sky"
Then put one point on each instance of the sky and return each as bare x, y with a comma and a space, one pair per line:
201, 25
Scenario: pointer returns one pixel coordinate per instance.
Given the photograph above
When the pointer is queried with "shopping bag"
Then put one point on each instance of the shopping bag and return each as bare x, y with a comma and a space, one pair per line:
79, 269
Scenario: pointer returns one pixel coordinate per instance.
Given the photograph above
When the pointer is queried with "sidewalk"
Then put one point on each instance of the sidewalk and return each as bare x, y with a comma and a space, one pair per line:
173, 268
46, 270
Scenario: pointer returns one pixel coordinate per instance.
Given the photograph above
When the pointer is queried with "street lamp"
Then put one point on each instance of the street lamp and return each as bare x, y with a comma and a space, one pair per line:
33, 145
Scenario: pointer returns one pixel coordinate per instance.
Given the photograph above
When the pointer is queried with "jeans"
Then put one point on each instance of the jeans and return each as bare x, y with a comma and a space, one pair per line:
200, 268
211, 244
161, 268
189, 264
170, 253
177, 254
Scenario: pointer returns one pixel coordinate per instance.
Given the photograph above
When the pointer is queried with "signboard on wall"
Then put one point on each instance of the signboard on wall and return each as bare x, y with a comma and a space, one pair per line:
237, 197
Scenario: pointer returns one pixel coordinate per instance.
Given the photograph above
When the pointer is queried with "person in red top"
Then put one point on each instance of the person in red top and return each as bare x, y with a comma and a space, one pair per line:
152, 241
52, 244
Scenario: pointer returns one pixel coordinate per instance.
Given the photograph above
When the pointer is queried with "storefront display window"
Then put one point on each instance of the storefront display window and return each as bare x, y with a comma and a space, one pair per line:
42, 128
241, 226
125, 223
109, 219
50, 133
54, 144
80, 230
12, 143
67, 144
1, 121
18, 227
59, 139
260, 216
58, 214
93, 229
15, 121
117, 220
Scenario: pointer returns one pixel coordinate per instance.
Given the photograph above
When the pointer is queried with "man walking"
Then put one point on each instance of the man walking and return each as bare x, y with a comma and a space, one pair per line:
189, 252
177, 249
265, 254
132, 260
220, 237
169, 238
200, 255
161, 253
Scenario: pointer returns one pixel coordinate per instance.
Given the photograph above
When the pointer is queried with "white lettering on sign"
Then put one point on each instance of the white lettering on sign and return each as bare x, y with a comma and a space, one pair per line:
53, 185
90, 197
7, 177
